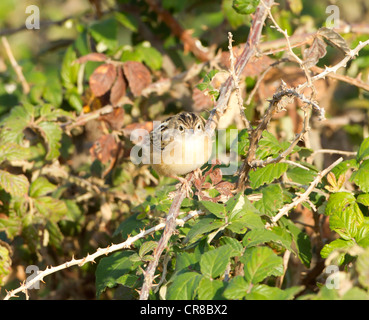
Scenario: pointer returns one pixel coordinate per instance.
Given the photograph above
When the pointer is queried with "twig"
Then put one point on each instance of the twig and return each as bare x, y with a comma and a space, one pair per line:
217, 112
248, 52
292, 54
236, 82
15, 65
169, 229
303, 197
99, 252
332, 151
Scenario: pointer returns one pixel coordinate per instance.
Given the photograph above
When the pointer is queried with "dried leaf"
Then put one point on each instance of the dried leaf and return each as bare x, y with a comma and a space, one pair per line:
216, 176
114, 119
201, 101
315, 52
331, 178
341, 181
334, 39
94, 56
102, 79
119, 88
138, 76
104, 149
225, 188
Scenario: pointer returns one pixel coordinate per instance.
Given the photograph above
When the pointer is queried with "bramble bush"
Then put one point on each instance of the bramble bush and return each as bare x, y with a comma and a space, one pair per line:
68, 188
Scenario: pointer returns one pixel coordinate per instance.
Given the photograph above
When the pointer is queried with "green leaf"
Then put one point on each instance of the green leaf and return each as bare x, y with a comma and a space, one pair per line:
245, 6
363, 199
242, 215
186, 261
337, 244
237, 288
339, 201
363, 151
16, 185
362, 267
267, 174
264, 292
261, 262
342, 168
130, 226
150, 56
268, 146
233, 243
360, 177
52, 134
300, 175
53, 93
235, 19
147, 247
261, 236
216, 209
50, 208
14, 124
113, 269
74, 99
214, 262
13, 151
301, 241
184, 286
271, 201
204, 225
345, 214
41, 187
127, 20
243, 142
105, 32
69, 69
210, 289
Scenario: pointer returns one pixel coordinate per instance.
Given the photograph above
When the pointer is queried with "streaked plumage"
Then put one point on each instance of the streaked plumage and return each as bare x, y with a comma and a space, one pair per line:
179, 145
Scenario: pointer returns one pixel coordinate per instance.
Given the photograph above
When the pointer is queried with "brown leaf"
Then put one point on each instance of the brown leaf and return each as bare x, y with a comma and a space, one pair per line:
225, 188
114, 119
201, 101
216, 176
138, 76
104, 149
102, 79
94, 56
334, 39
315, 52
119, 88
129, 130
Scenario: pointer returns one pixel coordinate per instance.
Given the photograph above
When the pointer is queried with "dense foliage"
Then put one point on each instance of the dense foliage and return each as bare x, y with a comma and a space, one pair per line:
68, 186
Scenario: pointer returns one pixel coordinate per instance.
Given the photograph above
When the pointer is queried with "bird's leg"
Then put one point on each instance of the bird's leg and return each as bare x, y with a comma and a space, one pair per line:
184, 184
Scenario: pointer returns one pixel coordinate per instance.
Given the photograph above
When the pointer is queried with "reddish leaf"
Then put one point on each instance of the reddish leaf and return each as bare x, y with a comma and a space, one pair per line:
102, 79
216, 176
225, 188
119, 88
138, 76
334, 39
201, 101
114, 119
129, 130
94, 56
104, 149
315, 52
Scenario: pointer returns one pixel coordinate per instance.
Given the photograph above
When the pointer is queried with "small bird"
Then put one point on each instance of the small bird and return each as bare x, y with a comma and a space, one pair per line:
180, 145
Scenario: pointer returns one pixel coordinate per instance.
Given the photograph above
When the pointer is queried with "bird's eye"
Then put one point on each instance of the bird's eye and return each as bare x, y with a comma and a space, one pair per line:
180, 128
198, 127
